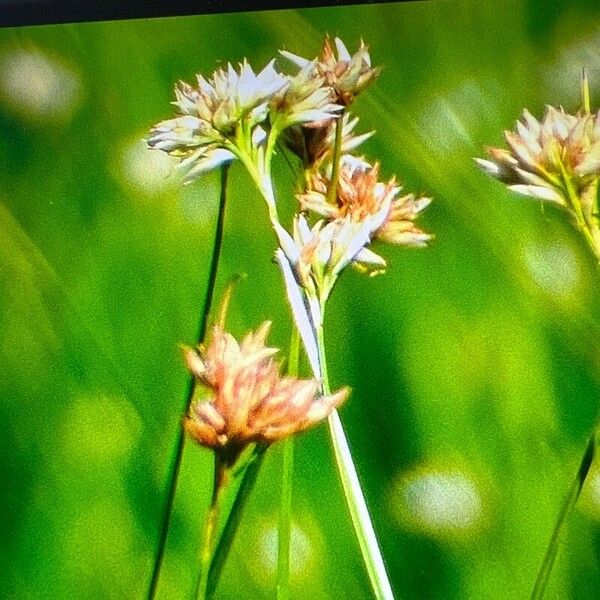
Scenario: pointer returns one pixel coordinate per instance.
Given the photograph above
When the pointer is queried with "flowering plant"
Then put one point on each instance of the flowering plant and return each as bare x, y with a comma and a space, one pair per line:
241, 400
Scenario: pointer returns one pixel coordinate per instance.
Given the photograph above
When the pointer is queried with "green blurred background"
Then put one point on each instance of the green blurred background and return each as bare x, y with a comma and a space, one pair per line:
474, 364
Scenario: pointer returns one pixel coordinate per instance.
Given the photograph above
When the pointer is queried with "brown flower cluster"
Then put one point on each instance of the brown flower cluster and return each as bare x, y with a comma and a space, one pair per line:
346, 74
360, 194
242, 398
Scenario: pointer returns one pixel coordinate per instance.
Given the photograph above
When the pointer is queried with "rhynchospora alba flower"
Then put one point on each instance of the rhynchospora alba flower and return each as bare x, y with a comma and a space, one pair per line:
306, 99
241, 398
204, 133
318, 254
346, 74
552, 159
312, 259
556, 159
360, 196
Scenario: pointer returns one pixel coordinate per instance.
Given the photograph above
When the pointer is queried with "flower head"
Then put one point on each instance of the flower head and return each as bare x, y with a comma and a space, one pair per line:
242, 398
312, 259
222, 101
318, 254
305, 100
346, 74
209, 115
361, 196
554, 159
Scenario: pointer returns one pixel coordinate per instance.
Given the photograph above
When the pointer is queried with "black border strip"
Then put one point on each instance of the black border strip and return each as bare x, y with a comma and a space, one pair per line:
49, 12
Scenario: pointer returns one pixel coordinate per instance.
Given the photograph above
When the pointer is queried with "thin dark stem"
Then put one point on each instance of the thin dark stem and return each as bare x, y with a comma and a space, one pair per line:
210, 529
584, 467
176, 462
233, 520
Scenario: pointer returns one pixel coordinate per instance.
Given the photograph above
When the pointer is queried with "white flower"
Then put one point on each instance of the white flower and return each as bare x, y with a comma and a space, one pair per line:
311, 261
203, 134
305, 100
346, 74
361, 197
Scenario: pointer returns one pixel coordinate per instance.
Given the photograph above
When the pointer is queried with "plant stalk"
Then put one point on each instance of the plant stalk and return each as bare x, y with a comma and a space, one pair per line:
210, 528
287, 483
581, 219
203, 325
233, 520
357, 506
543, 575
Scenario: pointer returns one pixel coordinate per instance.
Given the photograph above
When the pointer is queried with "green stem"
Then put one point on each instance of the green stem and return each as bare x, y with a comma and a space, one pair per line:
210, 528
355, 499
233, 520
285, 521
177, 457
270, 146
265, 186
335, 164
569, 503
242, 148
285, 513
582, 222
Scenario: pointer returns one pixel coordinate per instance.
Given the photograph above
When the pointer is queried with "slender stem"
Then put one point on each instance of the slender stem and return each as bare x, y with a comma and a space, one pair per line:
263, 181
357, 506
287, 482
233, 520
569, 503
176, 461
582, 222
210, 528
270, 147
335, 161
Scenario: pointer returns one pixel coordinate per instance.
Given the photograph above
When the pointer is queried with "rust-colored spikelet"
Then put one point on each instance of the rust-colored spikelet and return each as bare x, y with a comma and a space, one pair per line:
243, 397
360, 195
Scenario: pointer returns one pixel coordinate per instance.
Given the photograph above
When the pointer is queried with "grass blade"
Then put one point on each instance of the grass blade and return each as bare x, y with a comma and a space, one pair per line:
569, 503
233, 520
355, 500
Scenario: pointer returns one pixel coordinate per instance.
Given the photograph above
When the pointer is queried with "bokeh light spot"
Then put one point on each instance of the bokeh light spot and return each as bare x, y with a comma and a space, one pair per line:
198, 202
147, 171
448, 121
554, 268
39, 87
100, 431
442, 504
302, 554
562, 77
